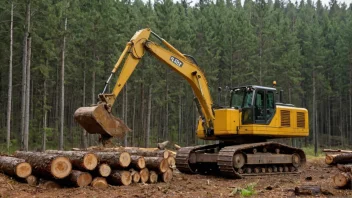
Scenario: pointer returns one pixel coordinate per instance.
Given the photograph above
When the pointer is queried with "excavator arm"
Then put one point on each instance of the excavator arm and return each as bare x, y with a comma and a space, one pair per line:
98, 119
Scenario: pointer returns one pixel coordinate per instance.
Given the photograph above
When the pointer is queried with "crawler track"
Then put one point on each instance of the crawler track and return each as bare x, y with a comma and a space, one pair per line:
225, 159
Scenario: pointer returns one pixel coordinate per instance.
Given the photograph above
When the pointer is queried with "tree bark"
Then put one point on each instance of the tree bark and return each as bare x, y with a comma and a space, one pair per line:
15, 167
137, 162
80, 160
345, 168
145, 152
158, 164
9, 98
120, 177
307, 190
114, 159
144, 173
62, 112
84, 132
45, 115
99, 182
167, 176
47, 165
342, 179
153, 177
344, 158
78, 178
28, 91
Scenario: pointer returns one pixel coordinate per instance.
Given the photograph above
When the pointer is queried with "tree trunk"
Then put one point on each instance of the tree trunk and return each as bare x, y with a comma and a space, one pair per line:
147, 138
342, 179
99, 182
167, 176
144, 173
137, 162
338, 158
158, 164
45, 114
28, 91
145, 153
47, 165
114, 159
103, 170
120, 177
153, 177
62, 112
24, 78
179, 118
15, 167
133, 120
78, 178
9, 98
314, 117
80, 160
84, 132
125, 112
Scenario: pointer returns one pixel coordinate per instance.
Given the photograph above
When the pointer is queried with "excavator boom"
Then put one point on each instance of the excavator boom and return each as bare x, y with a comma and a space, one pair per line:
98, 118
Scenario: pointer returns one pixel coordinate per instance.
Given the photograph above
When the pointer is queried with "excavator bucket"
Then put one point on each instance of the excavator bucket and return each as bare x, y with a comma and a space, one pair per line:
97, 120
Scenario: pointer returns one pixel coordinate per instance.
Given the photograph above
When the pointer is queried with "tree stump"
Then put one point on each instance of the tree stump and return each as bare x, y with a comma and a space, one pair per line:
80, 160
120, 177
99, 182
158, 164
15, 167
47, 165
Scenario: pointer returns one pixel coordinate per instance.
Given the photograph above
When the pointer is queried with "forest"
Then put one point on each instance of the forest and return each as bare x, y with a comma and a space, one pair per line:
57, 54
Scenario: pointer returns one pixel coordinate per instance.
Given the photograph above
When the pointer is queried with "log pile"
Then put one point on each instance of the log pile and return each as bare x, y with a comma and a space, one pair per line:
98, 168
343, 161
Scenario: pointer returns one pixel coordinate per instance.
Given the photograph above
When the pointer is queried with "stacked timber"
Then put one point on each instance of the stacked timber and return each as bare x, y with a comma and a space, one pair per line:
343, 161
97, 168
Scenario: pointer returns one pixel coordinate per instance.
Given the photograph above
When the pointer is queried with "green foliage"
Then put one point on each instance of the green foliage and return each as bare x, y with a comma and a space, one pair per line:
244, 192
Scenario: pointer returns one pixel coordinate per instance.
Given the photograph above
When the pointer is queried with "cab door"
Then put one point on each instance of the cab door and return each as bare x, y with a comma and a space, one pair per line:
264, 106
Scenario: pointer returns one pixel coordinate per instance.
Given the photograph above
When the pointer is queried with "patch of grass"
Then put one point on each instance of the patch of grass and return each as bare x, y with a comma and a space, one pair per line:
309, 151
244, 192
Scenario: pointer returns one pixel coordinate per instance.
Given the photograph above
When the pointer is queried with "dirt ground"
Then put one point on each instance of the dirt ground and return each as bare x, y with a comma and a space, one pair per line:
183, 185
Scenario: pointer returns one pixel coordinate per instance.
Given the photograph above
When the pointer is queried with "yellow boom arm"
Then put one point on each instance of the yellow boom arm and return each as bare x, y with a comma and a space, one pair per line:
182, 64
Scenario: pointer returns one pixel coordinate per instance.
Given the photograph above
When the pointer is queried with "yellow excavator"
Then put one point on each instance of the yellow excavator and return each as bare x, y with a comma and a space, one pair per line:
242, 129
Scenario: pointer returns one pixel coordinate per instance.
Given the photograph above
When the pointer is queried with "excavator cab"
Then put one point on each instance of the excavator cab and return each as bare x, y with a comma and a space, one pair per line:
257, 103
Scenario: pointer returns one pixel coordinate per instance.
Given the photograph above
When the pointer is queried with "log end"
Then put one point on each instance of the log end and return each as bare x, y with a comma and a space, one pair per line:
104, 170
144, 174
125, 159
141, 163
136, 177
329, 159
166, 154
126, 178
167, 176
153, 177
61, 167
90, 161
32, 180
341, 179
164, 165
99, 182
84, 179
172, 162
23, 170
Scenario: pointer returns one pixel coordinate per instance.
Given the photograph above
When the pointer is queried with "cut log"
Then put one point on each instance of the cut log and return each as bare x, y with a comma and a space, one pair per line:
145, 152
177, 147
48, 184
172, 162
345, 167
120, 177
137, 162
163, 145
158, 164
103, 170
115, 159
32, 180
344, 158
336, 151
135, 176
80, 160
47, 165
167, 176
15, 167
144, 173
307, 190
153, 177
342, 179
78, 178
99, 182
